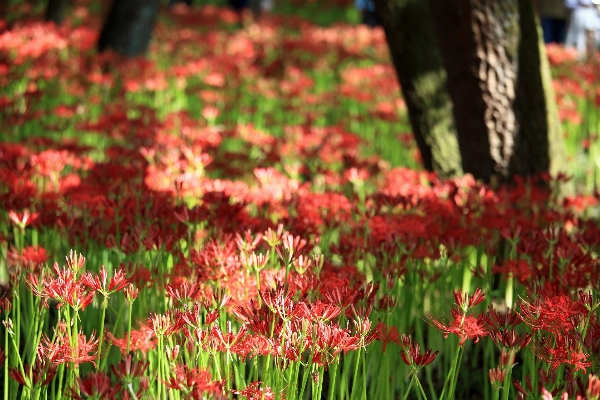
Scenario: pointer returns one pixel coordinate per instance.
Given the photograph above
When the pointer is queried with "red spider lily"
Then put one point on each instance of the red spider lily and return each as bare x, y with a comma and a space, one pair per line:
142, 339
225, 342
386, 335
593, 387
565, 350
545, 379
23, 219
502, 320
411, 356
183, 293
95, 385
128, 371
37, 375
510, 340
466, 302
6, 301
323, 312
61, 351
193, 382
247, 244
278, 300
255, 262
254, 391
330, 340
98, 283
31, 257
131, 293
587, 299
75, 262
554, 314
496, 376
164, 324
465, 326
195, 318
292, 248
273, 238
65, 288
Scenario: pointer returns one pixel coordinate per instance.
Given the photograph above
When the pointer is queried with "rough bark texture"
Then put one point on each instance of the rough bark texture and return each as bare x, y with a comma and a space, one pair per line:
128, 27
56, 11
479, 44
409, 32
540, 144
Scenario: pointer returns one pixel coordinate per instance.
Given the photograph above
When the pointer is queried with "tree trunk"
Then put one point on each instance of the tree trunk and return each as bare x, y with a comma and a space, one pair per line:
410, 36
539, 147
479, 44
128, 27
499, 82
56, 10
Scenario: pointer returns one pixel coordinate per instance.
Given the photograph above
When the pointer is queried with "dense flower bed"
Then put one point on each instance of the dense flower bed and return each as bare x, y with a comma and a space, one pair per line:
246, 218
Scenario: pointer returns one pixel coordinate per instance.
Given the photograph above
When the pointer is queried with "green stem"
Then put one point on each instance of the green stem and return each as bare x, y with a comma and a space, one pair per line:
129, 327
412, 380
355, 376
333, 375
451, 373
421, 388
6, 361
101, 332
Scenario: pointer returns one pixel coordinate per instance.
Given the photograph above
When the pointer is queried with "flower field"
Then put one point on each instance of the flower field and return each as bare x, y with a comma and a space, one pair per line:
243, 215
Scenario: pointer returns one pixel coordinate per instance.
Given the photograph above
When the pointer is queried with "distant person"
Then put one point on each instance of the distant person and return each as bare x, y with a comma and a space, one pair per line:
257, 7
173, 3
553, 15
367, 10
584, 27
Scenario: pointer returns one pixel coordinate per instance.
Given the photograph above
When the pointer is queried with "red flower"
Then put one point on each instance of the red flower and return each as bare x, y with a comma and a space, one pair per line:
385, 335
142, 339
95, 385
411, 356
556, 314
37, 375
193, 382
465, 326
60, 351
254, 392
65, 288
128, 371
23, 219
117, 282
565, 350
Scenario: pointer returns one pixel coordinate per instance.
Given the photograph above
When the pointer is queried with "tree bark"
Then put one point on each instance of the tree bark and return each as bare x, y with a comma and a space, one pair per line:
410, 36
479, 41
128, 27
56, 11
539, 147
499, 81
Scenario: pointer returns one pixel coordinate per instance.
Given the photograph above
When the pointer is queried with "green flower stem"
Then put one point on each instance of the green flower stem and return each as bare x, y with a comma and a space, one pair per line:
355, 375
455, 375
421, 388
101, 332
449, 383
412, 381
333, 376
159, 377
129, 327
6, 360
506, 384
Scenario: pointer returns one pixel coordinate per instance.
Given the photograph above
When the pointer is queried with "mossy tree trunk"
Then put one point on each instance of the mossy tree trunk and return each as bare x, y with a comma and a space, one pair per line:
410, 36
488, 58
540, 146
56, 11
128, 27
